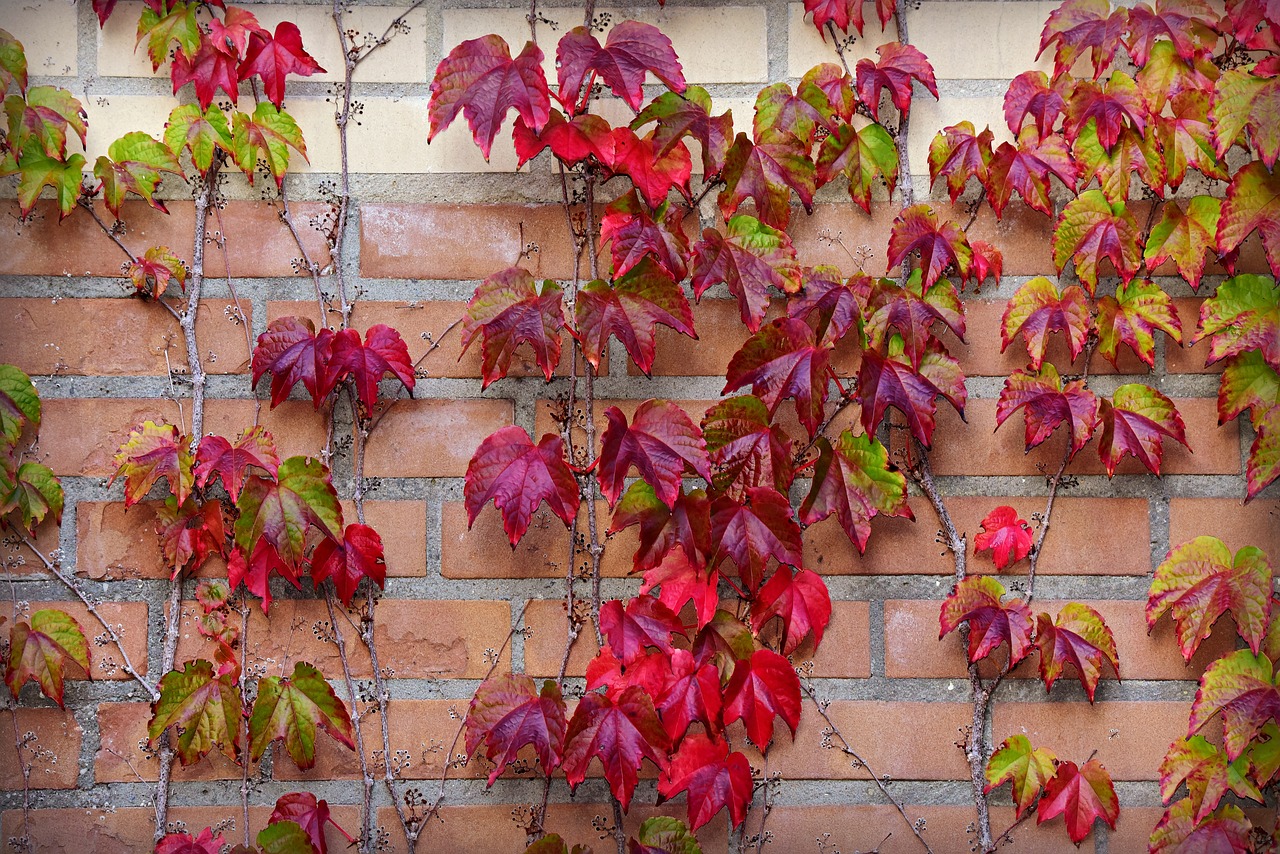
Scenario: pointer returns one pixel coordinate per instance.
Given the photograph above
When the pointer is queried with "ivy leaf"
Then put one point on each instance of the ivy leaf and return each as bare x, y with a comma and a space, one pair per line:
291, 352
916, 229
897, 66
835, 307
1248, 383
36, 170
382, 352
292, 708
1031, 94
254, 568
913, 310
1080, 637
1114, 167
861, 156
165, 23
1199, 581
508, 713
621, 734
1226, 830
800, 601
689, 114
630, 309
274, 58
1203, 766
1007, 536
1112, 108
746, 449
650, 671
203, 842
152, 452
357, 556
282, 512
157, 267
885, 382
686, 524
854, 480
748, 257
653, 175
1134, 422
783, 360
46, 648
33, 491
1263, 464
13, 63
714, 778
1081, 796
1253, 204
208, 70
636, 235
267, 136
284, 837
631, 49
508, 310
1243, 315
1038, 308
1241, 687
1025, 168
480, 78
1186, 138
204, 706
767, 172
519, 475
1083, 25
1247, 102
39, 121
1048, 403
254, 448
571, 141
693, 694
190, 532
230, 35
750, 533
311, 815
201, 133
958, 153
133, 165
644, 622
1184, 236
1092, 229
780, 114
977, 599
661, 442
19, 404
1131, 317
1191, 26
761, 688
1025, 768
662, 834
838, 13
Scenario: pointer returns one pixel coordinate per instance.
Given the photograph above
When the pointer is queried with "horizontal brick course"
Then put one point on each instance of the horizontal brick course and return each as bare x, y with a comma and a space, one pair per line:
127, 619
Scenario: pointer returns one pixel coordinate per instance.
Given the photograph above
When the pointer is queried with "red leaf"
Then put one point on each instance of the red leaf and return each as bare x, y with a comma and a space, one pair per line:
508, 310
800, 601
958, 153
746, 449
634, 233
651, 671
203, 842
662, 442
285, 511
644, 622
47, 648
630, 309
1080, 796
752, 532
154, 451
190, 532
861, 156
1190, 25
255, 570
914, 311
1026, 167
916, 229
291, 352
1090, 229
274, 58
1113, 107
1080, 25
854, 480
1253, 204
839, 13
311, 815
1036, 309
230, 34
357, 557
508, 713
1079, 637
1134, 422
886, 382
678, 116
834, 307
747, 258
1225, 830
572, 141
686, 524
653, 174
621, 734
1241, 686
976, 599
898, 65
383, 352
767, 172
518, 476
104, 8
254, 448
693, 694
680, 581
1049, 404
209, 70
631, 49
715, 779
480, 78
1006, 534
1031, 94
762, 687
783, 360
1132, 316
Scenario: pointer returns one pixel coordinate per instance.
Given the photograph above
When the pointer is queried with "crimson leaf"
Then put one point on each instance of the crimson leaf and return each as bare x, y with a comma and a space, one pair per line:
507, 310
273, 58
714, 778
357, 556
621, 734
783, 360
631, 49
1081, 796
1006, 535
519, 475
977, 599
1048, 403
508, 713
854, 480
1134, 422
1077, 636
762, 687
661, 442
631, 308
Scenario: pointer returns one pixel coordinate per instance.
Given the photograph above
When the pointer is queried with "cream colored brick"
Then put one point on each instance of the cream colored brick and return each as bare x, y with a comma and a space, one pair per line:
116, 54
315, 117
455, 151
981, 40
806, 48
929, 116
112, 117
715, 44
47, 30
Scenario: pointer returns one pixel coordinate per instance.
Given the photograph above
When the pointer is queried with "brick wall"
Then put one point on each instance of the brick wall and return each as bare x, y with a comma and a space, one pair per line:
430, 221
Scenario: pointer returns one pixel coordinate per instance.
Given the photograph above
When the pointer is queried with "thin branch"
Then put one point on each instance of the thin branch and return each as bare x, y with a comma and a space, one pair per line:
368, 837
87, 204
244, 721
312, 268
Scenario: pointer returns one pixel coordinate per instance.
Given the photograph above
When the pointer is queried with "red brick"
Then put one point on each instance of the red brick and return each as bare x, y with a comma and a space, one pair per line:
485, 552
431, 241
899, 546
18, 558
129, 619
845, 652
432, 438
978, 448
416, 639
545, 415
906, 740
80, 436
1189, 359
53, 753
544, 647
258, 243
122, 729
1130, 737
721, 333
1229, 519
128, 337
912, 647
981, 356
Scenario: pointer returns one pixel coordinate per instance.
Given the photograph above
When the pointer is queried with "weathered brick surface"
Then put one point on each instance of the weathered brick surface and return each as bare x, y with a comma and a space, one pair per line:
50, 741
128, 619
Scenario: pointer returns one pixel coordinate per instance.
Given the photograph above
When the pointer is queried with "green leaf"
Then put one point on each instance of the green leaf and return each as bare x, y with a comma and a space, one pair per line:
33, 491
1203, 766
41, 120
1248, 383
282, 512
862, 157
284, 837
47, 648
1243, 315
13, 63
19, 404
1253, 204
1184, 236
1241, 687
664, 833
1243, 102
1027, 769
1263, 465
1091, 229
133, 164
36, 171
291, 709
204, 705
267, 136
152, 272
179, 24
201, 133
